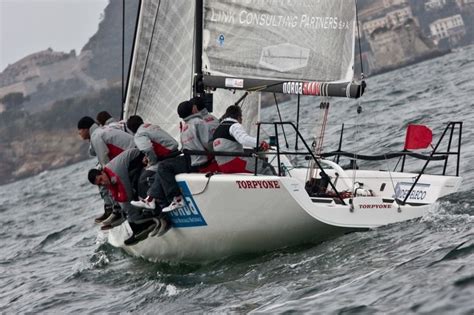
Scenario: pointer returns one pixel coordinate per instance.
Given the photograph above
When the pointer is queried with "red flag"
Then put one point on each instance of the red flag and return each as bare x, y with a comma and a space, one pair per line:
418, 137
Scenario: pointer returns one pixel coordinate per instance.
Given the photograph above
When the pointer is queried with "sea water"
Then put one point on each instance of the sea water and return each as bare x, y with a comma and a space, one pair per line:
53, 259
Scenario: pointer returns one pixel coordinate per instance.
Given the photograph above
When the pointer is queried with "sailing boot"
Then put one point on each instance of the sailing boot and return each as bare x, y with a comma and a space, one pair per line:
115, 219
105, 215
140, 236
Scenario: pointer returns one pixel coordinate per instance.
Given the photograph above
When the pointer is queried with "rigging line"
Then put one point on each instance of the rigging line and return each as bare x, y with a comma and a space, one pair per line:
208, 175
297, 120
279, 115
391, 180
323, 128
242, 98
147, 56
358, 39
123, 58
193, 82
354, 165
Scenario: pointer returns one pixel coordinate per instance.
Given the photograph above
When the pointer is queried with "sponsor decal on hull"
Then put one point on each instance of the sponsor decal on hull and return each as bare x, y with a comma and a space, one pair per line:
258, 184
189, 215
419, 192
375, 206
370, 203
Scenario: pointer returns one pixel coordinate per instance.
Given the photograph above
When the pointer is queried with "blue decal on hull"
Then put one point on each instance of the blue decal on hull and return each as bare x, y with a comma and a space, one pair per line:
189, 215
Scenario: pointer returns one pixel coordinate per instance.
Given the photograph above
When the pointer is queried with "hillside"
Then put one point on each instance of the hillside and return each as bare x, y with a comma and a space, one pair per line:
105, 46
32, 143
43, 95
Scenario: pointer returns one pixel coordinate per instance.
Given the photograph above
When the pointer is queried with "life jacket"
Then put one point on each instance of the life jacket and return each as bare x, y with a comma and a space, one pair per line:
225, 142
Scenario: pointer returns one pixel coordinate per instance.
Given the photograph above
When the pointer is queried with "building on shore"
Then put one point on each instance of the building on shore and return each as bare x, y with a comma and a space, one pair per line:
398, 44
450, 28
45, 69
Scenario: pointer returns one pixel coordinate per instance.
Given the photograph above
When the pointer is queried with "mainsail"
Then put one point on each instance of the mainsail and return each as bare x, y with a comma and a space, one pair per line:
286, 46
273, 44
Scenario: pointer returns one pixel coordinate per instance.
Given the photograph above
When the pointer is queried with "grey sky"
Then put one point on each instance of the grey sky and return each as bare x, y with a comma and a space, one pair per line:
28, 26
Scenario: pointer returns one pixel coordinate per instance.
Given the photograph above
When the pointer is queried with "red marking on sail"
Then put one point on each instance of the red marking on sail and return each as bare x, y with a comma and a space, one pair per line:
418, 137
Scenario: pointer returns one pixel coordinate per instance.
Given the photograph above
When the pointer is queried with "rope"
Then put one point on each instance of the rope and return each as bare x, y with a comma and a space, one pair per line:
123, 58
354, 165
208, 175
391, 181
360, 46
319, 146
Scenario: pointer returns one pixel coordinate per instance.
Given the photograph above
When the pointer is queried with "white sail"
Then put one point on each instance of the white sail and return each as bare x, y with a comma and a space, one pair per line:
162, 73
163, 69
283, 40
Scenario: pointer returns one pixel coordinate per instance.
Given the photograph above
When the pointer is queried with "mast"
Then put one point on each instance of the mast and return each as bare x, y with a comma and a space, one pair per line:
197, 84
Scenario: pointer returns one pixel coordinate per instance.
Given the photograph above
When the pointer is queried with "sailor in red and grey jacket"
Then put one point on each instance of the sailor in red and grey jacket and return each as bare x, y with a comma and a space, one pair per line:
209, 120
103, 118
120, 125
118, 176
156, 143
107, 142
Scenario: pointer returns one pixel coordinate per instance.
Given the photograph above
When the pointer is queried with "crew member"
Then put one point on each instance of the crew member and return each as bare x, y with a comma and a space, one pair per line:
120, 176
105, 143
230, 136
209, 120
194, 136
105, 119
157, 145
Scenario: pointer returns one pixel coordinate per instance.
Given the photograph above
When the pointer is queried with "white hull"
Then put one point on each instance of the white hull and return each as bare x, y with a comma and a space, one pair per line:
242, 213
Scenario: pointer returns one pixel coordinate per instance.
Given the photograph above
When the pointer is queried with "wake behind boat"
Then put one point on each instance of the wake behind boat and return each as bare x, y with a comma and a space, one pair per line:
221, 51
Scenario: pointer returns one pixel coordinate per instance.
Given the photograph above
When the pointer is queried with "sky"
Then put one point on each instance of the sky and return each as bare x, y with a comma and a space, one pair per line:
29, 26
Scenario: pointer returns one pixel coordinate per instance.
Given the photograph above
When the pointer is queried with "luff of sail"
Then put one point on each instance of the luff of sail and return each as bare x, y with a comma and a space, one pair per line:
162, 72
292, 47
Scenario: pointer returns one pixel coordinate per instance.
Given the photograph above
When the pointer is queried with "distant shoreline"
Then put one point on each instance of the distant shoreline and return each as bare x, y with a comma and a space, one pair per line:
424, 57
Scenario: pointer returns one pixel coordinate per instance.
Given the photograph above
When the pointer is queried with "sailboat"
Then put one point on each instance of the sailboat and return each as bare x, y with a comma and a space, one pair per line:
228, 52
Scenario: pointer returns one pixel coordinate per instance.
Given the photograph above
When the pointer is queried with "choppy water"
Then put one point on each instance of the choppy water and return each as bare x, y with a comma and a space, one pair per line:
54, 260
